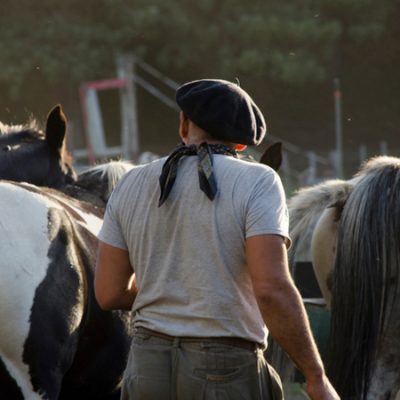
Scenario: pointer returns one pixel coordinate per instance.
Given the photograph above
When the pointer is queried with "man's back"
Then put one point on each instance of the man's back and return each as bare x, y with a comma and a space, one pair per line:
189, 254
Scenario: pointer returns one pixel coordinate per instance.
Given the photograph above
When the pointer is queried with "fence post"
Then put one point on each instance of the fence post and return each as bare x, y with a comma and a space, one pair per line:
337, 95
312, 167
129, 119
363, 153
383, 146
285, 168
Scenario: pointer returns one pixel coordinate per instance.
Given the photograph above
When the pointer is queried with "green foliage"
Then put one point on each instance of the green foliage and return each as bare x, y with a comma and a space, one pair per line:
294, 42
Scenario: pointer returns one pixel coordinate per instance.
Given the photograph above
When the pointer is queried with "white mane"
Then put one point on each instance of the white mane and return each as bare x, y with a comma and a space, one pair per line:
305, 208
111, 171
378, 162
7, 129
307, 204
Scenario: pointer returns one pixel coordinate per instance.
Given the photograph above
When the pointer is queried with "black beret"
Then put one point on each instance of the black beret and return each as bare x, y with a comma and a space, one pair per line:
222, 109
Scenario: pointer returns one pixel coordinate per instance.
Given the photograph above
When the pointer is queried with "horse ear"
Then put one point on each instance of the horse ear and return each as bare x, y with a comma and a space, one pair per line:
56, 127
273, 156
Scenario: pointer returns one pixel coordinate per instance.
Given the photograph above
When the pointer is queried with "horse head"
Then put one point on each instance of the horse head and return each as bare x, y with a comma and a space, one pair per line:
28, 154
272, 156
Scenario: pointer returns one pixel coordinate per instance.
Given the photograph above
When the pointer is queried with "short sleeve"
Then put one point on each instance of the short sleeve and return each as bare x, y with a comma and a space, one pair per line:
267, 211
111, 232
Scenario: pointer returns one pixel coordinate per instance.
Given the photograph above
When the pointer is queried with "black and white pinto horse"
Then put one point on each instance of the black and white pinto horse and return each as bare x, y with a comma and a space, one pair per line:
352, 235
55, 341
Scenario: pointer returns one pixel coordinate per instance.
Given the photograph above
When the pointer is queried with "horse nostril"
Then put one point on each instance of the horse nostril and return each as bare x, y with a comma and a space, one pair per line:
7, 148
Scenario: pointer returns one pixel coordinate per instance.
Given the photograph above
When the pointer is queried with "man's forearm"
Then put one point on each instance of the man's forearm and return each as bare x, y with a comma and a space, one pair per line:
283, 311
125, 302
285, 316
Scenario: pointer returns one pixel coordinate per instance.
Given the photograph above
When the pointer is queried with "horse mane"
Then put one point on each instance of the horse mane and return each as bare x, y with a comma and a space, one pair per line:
305, 208
367, 265
110, 172
95, 184
32, 128
375, 164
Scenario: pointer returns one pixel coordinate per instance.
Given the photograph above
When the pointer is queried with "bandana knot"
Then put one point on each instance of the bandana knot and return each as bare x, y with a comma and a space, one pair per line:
204, 154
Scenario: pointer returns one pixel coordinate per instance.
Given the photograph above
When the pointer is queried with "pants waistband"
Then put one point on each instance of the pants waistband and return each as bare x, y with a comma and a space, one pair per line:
235, 342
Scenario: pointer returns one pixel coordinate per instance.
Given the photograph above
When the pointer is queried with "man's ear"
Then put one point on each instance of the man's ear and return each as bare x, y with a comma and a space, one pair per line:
240, 147
183, 127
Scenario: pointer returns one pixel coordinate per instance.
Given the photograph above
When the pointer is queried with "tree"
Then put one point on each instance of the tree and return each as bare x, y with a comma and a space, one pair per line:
289, 42
286, 49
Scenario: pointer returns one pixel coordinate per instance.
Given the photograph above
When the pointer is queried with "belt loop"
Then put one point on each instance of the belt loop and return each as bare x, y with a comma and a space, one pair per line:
174, 366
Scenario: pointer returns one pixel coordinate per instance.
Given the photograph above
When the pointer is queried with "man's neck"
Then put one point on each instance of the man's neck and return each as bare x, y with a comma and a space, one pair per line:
209, 141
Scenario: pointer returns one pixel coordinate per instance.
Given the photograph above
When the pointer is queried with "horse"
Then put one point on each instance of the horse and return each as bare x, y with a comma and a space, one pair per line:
55, 341
27, 154
352, 241
61, 361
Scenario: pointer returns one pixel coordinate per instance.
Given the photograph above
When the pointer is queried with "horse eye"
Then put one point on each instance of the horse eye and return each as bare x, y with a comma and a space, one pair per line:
7, 148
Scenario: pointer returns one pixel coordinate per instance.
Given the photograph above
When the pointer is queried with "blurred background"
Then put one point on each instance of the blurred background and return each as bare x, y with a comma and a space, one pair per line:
324, 72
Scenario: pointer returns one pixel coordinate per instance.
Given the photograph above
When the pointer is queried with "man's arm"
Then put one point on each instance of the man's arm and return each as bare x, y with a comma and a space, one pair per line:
283, 311
115, 283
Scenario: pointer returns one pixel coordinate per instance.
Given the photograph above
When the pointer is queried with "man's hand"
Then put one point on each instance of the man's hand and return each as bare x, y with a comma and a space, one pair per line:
321, 390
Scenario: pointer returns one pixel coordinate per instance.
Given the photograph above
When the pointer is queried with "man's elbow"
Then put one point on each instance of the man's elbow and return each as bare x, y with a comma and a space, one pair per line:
270, 295
105, 301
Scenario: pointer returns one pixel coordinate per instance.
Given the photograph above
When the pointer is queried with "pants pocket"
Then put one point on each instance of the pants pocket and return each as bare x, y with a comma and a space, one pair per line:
217, 375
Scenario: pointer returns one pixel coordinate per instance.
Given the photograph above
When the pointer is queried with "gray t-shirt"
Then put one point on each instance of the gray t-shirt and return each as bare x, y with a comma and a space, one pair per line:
189, 254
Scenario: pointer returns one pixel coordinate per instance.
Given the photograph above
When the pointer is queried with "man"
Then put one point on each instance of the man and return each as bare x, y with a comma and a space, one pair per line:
195, 245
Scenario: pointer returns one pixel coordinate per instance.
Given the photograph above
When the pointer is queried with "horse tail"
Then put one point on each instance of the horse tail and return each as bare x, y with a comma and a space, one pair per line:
367, 263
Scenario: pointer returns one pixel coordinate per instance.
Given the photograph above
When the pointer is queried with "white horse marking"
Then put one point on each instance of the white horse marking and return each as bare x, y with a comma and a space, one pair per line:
15, 310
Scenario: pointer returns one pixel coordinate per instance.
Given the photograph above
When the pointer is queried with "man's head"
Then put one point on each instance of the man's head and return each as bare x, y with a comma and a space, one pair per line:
222, 109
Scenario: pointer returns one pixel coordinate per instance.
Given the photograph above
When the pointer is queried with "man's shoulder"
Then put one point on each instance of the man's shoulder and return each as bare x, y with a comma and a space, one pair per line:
248, 166
153, 166
139, 173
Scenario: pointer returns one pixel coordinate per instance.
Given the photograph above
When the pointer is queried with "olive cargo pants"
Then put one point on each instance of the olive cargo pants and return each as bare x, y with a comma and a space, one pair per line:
160, 369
